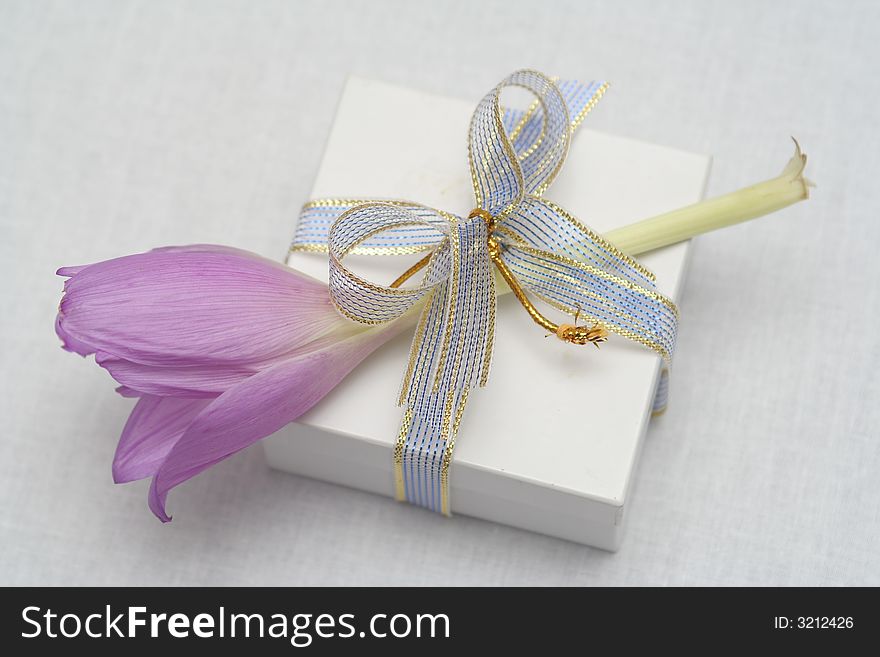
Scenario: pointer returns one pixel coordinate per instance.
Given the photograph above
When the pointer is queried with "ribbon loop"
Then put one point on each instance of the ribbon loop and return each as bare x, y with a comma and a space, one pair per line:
368, 223
506, 165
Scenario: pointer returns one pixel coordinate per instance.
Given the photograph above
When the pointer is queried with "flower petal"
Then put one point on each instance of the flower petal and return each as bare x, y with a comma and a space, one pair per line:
258, 407
70, 342
191, 305
154, 426
70, 271
123, 391
180, 381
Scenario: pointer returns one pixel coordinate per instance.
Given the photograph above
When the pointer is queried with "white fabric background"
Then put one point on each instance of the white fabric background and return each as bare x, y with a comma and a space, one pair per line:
130, 125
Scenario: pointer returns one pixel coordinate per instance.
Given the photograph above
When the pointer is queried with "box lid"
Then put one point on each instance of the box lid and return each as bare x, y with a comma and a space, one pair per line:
553, 415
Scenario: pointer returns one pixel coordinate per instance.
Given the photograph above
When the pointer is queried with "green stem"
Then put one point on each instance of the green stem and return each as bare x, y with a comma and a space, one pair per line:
747, 203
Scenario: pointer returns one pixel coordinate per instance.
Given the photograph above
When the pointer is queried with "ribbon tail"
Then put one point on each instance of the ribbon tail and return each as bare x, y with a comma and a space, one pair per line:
450, 355
573, 269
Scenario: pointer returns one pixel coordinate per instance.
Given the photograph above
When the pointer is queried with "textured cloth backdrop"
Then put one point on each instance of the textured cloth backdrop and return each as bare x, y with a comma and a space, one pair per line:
129, 125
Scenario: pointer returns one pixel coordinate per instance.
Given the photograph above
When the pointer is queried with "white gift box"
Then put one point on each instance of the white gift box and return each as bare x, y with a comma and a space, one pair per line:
552, 443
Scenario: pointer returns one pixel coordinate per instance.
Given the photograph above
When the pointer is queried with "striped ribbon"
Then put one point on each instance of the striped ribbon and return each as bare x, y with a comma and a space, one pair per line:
514, 156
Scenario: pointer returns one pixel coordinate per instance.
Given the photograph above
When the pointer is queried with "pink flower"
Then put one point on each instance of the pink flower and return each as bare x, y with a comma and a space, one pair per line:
221, 346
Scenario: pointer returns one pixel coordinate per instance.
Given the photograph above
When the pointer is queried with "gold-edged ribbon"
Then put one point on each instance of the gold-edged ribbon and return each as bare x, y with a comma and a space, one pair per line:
539, 249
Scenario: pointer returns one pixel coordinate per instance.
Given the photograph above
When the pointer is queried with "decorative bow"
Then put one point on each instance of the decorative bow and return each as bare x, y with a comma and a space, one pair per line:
538, 248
